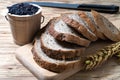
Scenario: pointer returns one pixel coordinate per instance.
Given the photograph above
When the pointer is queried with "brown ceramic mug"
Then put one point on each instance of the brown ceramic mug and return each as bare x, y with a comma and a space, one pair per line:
25, 27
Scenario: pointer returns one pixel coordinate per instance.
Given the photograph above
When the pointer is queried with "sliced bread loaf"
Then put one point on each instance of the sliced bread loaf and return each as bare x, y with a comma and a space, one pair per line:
98, 32
76, 22
59, 50
51, 64
59, 30
106, 27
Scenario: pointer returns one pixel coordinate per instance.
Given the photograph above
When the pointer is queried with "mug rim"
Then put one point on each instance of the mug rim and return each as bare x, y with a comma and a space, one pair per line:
39, 10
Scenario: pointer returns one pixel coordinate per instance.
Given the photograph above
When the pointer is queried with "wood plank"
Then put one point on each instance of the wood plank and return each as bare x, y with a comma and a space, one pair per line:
19, 78
11, 69
7, 46
108, 71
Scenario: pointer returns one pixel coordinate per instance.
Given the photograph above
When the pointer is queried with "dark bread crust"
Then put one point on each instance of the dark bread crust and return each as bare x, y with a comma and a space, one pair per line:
47, 65
107, 28
62, 54
98, 32
67, 37
78, 27
53, 66
88, 21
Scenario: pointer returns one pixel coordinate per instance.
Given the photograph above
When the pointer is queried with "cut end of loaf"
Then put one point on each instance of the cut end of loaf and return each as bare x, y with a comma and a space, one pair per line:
49, 63
106, 27
76, 22
59, 30
59, 49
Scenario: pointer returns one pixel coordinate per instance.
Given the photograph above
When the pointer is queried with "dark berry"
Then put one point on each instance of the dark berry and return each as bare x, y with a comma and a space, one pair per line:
22, 9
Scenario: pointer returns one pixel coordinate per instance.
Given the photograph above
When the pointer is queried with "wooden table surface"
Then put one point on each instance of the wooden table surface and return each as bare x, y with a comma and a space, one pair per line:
10, 68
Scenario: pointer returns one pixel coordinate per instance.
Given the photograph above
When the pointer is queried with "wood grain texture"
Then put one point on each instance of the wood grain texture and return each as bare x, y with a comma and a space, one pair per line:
11, 69
39, 72
110, 69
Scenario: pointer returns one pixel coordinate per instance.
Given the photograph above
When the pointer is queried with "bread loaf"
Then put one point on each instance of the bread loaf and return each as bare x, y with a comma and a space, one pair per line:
76, 22
99, 34
59, 50
49, 63
59, 30
64, 39
106, 27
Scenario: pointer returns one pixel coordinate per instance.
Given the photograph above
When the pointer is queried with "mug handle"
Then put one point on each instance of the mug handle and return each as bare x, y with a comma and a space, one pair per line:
42, 19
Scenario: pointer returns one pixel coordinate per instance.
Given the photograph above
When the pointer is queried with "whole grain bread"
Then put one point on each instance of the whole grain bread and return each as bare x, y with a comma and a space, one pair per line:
55, 48
51, 64
58, 49
99, 34
106, 27
61, 31
76, 22
88, 21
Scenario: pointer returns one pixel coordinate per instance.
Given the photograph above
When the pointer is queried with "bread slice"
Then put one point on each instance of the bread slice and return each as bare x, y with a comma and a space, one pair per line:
76, 22
51, 64
88, 22
59, 30
59, 49
98, 32
107, 28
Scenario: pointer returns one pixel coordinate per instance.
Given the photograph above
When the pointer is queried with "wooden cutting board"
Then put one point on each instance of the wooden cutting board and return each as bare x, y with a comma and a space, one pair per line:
24, 55
108, 71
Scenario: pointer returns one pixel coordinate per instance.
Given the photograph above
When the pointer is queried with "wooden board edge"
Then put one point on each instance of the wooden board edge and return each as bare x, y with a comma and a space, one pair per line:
37, 73
40, 74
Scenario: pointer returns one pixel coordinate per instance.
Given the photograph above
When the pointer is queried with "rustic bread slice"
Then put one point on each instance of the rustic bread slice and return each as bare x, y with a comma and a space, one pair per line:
59, 30
98, 32
88, 22
51, 64
59, 50
108, 29
76, 22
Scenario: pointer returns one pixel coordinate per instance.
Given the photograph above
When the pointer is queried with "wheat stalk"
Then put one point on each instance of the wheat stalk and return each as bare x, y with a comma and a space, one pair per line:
101, 56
